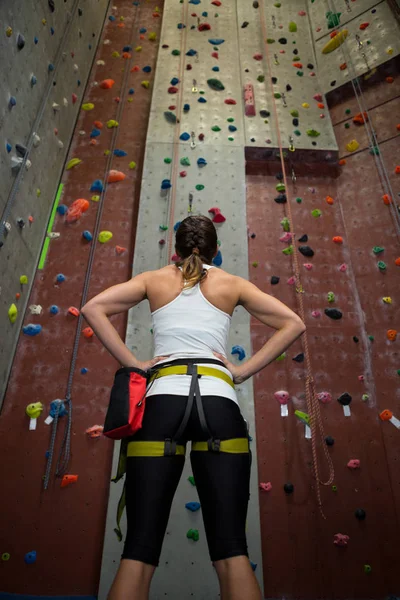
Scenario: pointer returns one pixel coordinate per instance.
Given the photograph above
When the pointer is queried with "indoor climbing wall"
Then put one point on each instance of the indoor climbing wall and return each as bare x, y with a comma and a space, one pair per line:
47, 51
352, 38
344, 230
194, 157
97, 198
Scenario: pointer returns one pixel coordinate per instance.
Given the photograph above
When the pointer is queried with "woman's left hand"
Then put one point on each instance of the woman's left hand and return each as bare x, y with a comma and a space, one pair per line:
148, 364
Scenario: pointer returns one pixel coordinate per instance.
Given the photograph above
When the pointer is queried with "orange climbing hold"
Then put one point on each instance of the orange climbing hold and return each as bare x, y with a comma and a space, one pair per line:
88, 332
107, 84
329, 200
387, 199
298, 65
76, 209
386, 415
360, 118
333, 34
320, 105
93, 142
95, 431
98, 124
121, 25
135, 69
337, 239
363, 26
68, 479
73, 311
389, 79
120, 250
342, 162
343, 66
115, 176
126, 55
397, 170
391, 334
397, 261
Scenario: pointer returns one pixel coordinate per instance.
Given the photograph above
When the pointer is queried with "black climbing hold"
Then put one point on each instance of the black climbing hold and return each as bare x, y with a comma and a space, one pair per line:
246, 70
360, 514
282, 40
255, 4
333, 313
306, 251
52, 6
281, 199
274, 280
313, 143
279, 176
244, 24
274, 80
295, 51
310, 66
216, 85
20, 41
304, 238
299, 358
170, 117
333, 82
344, 399
329, 441
80, 12
295, 122
355, 339
252, 139
21, 150
253, 235
289, 488
264, 113
288, 87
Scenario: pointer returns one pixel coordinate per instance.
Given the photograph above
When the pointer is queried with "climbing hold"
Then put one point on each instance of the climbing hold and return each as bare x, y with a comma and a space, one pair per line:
88, 332
218, 216
340, 540
299, 358
5, 556
30, 557
288, 488
354, 463
12, 313
119, 153
216, 128
170, 117
282, 41
215, 84
337, 239
87, 235
193, 534
191, 480
104, 236
387, 199
266, 487
88, 106
192, 506
74, 98
115, 176
316, 212
292, 27
20, 41
68, 479
32, 330
333, 313
240, 351
306, 251
73, 163
335, 42
145, 84
331, 297
329, 441
201, 162
199, 187
216, 41
97, 186
12, 102
166, 184
391, 335
364, 26
313, 133
381, 265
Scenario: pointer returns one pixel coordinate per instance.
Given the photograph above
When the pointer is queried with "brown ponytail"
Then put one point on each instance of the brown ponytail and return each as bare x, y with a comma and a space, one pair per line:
196, 243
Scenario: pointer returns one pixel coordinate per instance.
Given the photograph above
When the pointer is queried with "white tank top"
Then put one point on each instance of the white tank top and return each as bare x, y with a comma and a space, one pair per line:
190, 326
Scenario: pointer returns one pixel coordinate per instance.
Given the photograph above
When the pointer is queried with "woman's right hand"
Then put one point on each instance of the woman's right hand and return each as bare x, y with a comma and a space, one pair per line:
236, 370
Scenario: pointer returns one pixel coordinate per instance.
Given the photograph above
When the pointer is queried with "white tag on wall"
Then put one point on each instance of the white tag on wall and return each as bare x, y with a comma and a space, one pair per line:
32, 424
284, 410
307, 434
347, 411
49, 420
395, 422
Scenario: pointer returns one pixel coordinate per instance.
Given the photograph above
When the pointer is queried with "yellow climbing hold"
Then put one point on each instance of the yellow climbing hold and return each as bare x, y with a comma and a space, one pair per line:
138, 49
389, 51
152, 36
132, 165
157, 9
115, 54
38, 192
44, 21
105, 236
107, 152
130, 99
72, 163
122, 18
305, 105
387, 300
146, 84
13, 313
34, 410
352, 146
95, 198
112, 123
23, 280
335, 42
88, 106
9, 31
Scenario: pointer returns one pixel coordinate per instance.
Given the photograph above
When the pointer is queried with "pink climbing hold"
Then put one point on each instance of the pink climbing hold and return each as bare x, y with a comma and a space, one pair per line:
324, 397
339, 539
354, 463
308, 266
343, 268
218, 216
316, 314
291, 280
172, 90
286, 237
258, 57
266, 487
249, 105
74, 98
361, 378
318, 97
282, 396
230, 101
302, 13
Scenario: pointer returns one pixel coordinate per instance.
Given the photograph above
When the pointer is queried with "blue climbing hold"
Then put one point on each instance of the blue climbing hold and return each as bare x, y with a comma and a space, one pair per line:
193, 506
90, 46
62, 209
84, 370
51, 67
216, 69
216, 41
217, 260
87, 235
120, 152
32, 329
95, 133
184, 136
194, 2
52, 30
33, 80
127, 48
186, 108
176, 226
8, 147
57, 405
204, 14
232, 128
60, 278
54, 310
35, 40
147, 69
201, 162
253, 566
78, 83
97, 186
250, 438
191, 52
30, 557
131, 91
111, 18
181, 26
202, 100
12, 102
142, 30
240, 351
166, 184
174, 81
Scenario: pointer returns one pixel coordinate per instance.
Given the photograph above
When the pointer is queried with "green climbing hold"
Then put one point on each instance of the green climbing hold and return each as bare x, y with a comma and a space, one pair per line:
163, 227
170, 117
367, 569
277, 4
285, 224
374, 151
347, 125
176, 52
348, 111
132, 164
191, 479
292, 27
334, 488
381, 265
185, 161
230, 120
193, 534
281, 357
277, 95
297, 132
288, 250
216, 128
304, 417
299, 73
316, 212
294, 113
255, 263
261, 78
398, 371
330, 297
313, 132
231, 139
216, 85
299, 200
168, 161
270, 41
377, 249
280, 187
199, 187
371, 338
333, 19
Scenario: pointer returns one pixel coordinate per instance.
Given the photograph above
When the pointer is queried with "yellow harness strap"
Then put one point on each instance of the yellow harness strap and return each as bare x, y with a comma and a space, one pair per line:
151, 449
233, 446
182, 370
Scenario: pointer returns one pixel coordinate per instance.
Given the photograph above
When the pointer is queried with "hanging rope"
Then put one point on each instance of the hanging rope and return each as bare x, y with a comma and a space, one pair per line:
65, 450
313, 405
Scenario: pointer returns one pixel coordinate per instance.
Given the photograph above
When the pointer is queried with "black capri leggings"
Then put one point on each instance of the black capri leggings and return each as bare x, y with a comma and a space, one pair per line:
222, 479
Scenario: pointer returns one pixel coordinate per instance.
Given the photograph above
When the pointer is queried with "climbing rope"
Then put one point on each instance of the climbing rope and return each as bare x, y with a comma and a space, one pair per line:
313, 405
65, 450
35, 128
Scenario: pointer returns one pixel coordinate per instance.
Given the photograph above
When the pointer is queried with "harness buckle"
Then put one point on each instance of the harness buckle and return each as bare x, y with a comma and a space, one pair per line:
169, 447
214, 445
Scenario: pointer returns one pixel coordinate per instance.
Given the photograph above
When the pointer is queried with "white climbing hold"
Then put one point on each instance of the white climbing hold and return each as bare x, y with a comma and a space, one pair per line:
28, 164
107, 42
60, 144
35, 309
65, 102
55, 106
52, 235
81, 132
101, 63
36, 140
16, 163
76, 68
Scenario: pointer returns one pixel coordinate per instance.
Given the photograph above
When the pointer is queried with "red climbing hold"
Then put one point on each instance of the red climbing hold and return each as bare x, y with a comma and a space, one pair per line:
120, 250
333, 34
215, 55
74, 98
172, 107
258, 56
298, 65
88, 332
183, 174
165, 46
117, 99
193, 15
360, 118
337, 239
387, 199
230, 101
216, 2
320, 105
398, 126
218, 216
201, 136
204, 27
342, 162
389, 79
343, 66
318, 97
107, 84
135, 69
172, 90
363, 26
189, 67
156, 15
115, 176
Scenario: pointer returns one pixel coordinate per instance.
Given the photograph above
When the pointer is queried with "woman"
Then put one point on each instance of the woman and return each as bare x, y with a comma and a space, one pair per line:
191, 305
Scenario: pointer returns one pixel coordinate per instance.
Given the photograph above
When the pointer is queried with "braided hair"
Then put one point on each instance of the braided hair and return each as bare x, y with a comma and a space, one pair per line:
196, 243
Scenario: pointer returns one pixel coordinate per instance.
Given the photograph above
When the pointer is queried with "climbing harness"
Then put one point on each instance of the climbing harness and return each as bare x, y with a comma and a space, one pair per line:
65, 450
171, 446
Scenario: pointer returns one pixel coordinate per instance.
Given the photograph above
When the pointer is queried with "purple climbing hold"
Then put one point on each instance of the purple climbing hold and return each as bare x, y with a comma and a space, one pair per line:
12, 102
